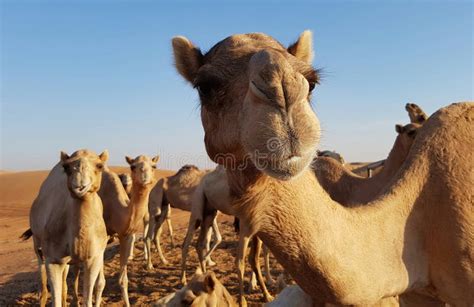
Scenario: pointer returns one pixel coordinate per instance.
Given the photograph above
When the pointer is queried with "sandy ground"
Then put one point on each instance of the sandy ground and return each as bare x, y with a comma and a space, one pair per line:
19, 279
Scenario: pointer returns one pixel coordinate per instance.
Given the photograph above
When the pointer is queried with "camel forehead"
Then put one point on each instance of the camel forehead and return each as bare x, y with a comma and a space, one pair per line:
84, 156
142, 159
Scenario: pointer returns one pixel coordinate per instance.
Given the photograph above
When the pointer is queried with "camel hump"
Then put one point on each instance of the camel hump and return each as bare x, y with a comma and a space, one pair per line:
26, 235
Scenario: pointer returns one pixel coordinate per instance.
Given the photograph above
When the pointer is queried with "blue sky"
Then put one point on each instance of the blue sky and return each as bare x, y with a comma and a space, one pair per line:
99, 74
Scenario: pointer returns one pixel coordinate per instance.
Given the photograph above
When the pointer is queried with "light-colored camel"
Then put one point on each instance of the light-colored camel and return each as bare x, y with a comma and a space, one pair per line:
124, 216
202, 290
416, 236
350, 189
126, 181
175, 191
67, 226
211, 197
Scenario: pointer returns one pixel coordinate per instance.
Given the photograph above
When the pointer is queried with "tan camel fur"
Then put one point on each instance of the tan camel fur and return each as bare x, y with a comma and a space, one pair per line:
124, 216
418, 235
348, 188
202, 290
331, 154
417, 115
210, 197
67, 226
126, 181
175, 191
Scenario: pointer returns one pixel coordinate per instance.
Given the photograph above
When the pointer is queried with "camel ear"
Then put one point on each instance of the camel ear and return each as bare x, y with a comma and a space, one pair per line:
399, 128
210, 282
188, 58
129, 160
155, 159
104, 156
303, 47
64, 157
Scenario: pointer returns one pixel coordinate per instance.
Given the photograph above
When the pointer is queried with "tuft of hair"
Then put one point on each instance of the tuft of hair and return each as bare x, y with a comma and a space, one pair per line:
26, 235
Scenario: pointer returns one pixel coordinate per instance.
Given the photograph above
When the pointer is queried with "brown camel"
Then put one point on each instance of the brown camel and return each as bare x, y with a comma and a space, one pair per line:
348, 188
210, 197
416, 236
67, 226
202, 290
175, 191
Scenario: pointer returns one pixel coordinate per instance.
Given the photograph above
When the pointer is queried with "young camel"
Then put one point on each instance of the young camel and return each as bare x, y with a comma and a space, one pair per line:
67, 226
124, 216
202, 290
175, 191
416, 236
210, 197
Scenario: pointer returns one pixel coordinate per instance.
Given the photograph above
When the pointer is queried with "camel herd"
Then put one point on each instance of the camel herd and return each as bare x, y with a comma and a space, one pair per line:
403, 235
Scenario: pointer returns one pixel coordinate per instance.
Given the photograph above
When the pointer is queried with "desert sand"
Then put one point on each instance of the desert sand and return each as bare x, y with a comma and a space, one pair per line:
19, 279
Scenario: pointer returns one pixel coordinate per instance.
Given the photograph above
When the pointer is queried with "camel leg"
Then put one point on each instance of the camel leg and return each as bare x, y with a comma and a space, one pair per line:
253, 283
201, 244
254, 259
64, 292
148, 239
76, 270
100, 285
184, 251
43, 275
55, 275
244, 239
209, 261
92, 270
146, 224
217, 241
157, 233
170, 227
268, 273
126, 245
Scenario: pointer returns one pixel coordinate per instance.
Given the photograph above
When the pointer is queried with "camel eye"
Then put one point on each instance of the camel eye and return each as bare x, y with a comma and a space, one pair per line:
204, 89
100, 166
411, 133
67, 168
153, 166
132, 167
312, 85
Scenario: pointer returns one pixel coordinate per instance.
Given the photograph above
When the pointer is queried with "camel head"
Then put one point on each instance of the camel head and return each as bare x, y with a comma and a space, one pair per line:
416, 114
143, 169
202, 290
406, 136
126, 180
331, 154
255, 100
84, 171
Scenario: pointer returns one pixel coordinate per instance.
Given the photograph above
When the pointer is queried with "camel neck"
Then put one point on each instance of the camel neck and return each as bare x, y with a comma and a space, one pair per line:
86, 211
138, 205
324, 245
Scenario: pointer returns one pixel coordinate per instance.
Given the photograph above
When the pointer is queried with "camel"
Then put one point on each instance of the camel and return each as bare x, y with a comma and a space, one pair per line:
126, 181
210, 197
124, 216
331, 154
417, 235
67, 226
348, 188
175, 191
202, 290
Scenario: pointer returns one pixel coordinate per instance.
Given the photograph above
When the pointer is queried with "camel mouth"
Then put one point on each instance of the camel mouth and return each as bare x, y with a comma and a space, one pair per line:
286, 168
82, 190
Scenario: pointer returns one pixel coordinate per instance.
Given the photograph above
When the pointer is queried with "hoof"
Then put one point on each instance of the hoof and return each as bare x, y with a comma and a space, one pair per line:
149, 267
268, 298
210, 263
